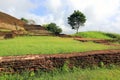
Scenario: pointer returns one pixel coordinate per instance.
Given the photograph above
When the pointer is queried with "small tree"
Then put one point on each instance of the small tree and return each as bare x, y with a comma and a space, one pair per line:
28, 21
24, 20
53, 28
76, 20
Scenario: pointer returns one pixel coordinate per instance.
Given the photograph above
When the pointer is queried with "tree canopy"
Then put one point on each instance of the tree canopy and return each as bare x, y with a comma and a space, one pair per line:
28, 21
76, 19
24, 20
53, 28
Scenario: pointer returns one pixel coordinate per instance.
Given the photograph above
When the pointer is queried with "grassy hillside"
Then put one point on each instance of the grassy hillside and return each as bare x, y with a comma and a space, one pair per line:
98, 35
46, 45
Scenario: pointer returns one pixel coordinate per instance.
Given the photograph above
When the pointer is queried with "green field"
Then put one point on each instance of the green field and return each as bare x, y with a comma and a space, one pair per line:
112, 73
4, 30
46, 45
98, 35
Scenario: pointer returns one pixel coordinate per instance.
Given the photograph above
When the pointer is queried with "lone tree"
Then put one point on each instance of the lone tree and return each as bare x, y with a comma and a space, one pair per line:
76, 20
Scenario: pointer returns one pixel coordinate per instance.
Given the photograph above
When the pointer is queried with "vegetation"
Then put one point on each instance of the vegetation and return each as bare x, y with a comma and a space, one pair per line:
46, 45
98, 35
25, 20
5, 30
28, 21
53, 28
66, 74
76, 20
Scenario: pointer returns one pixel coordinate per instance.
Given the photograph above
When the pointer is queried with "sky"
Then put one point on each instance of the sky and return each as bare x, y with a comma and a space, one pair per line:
101, 15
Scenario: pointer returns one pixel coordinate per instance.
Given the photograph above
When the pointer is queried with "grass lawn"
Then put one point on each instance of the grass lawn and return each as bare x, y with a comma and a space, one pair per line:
98, 35
75, 74
46, 45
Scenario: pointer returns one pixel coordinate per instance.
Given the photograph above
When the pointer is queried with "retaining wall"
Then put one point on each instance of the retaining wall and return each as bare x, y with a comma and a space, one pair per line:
49, 62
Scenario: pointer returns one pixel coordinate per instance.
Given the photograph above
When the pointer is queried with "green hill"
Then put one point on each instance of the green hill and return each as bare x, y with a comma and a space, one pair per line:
98, 35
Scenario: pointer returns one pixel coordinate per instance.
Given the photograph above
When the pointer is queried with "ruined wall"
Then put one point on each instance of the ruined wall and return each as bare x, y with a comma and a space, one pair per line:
33, 27
10, 26
49, 62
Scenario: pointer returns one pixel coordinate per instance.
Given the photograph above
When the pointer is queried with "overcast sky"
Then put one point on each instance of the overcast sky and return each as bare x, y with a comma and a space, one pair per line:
102, 15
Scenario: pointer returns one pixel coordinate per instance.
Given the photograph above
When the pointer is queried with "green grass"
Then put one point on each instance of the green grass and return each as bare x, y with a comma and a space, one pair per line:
75, 74
4, 30
98, 35
46, 45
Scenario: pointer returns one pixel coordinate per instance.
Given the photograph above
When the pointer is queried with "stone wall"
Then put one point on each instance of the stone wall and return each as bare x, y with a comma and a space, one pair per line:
49, 62
33, 27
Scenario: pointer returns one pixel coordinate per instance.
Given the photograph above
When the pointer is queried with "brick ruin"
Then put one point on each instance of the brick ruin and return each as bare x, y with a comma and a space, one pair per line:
50, 62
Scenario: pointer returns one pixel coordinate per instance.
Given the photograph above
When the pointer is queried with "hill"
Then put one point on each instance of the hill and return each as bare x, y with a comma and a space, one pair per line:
9, 22
98, 35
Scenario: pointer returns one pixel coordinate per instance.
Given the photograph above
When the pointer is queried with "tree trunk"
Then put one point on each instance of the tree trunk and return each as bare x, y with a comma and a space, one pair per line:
77, 31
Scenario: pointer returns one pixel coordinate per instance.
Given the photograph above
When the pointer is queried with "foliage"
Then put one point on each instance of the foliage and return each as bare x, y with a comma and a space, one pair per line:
24, 20
75, 74
114, 36
53, 28
45, 25
76, 20
46, 45
28, 21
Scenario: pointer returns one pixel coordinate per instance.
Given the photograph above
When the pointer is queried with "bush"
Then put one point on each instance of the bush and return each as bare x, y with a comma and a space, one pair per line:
53, 28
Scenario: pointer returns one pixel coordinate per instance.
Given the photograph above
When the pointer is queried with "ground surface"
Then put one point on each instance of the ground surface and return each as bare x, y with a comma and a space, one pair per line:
64, 73
47, 45
97, 35
30, 57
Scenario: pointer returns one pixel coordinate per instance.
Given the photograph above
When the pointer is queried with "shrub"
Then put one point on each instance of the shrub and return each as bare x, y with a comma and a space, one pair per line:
53, 28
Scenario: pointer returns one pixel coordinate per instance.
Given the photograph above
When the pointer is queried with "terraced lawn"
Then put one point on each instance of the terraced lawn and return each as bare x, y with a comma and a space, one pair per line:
46, 45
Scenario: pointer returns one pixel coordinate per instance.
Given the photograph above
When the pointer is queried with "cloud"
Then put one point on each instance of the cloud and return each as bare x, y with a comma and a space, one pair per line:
16, 8
102, 15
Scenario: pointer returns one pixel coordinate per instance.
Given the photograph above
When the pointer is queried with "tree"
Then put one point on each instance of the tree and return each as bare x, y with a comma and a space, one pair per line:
24, 20
31, 22
53, 28
28, 21
76, 20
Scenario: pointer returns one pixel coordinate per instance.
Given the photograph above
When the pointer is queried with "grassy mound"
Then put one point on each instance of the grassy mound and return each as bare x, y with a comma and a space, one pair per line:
46, 45
98, 35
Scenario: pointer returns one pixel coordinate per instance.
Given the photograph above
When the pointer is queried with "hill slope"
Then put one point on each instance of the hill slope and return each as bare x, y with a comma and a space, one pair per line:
9, 22
98, 35
10, 19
